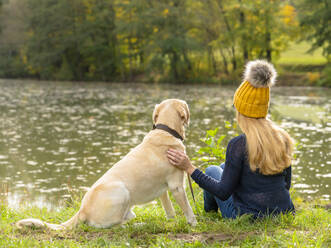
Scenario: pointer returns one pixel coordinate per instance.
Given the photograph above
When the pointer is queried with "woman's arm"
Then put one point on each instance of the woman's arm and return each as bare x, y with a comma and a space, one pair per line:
224, 188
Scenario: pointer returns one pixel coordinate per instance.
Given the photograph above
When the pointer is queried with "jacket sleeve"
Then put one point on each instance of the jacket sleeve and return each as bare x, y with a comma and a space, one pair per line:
224, 188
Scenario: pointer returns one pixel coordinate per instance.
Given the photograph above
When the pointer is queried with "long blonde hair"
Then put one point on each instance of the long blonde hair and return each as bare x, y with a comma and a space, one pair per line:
269, 147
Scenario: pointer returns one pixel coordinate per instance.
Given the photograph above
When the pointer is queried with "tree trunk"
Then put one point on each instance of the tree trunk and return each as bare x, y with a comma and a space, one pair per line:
244, 38
268, 48
174, 61
187, 61
225, 62
233, 60
212, 60
227, 25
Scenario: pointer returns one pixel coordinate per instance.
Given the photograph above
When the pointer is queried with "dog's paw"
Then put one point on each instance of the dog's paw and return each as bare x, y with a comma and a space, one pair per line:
170, 216
192, 221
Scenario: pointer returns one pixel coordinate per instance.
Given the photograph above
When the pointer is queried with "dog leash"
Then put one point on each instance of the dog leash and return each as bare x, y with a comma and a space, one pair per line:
192, 192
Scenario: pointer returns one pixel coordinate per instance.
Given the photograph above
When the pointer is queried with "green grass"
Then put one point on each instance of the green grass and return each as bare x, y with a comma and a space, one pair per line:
297, 54
311, 227
297, 67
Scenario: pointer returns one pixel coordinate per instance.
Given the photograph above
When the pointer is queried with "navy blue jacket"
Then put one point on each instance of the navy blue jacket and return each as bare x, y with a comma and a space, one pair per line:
252, 192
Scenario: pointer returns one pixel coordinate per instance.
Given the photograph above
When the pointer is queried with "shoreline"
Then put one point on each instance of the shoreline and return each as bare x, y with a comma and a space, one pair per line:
150, 228
286, 80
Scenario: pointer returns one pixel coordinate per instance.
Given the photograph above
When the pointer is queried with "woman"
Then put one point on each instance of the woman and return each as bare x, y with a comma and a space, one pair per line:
256, 176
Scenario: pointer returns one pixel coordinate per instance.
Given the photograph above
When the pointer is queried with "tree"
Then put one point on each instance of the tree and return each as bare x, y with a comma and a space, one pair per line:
99, 45
176, 40
170, 40
133, 35
315, 19
269, 26
0, 14
12, 38
72, 40
243, 30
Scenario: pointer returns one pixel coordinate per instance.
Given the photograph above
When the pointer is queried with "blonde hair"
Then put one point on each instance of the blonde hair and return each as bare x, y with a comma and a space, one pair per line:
269, 147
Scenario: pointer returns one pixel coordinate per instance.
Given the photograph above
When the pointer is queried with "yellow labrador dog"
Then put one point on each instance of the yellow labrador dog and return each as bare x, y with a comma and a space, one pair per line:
141, 176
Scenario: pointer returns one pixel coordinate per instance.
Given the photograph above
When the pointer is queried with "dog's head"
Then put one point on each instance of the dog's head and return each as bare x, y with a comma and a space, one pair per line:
172, 112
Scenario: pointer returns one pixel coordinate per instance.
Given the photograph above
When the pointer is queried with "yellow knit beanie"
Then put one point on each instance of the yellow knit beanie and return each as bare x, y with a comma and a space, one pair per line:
252, 97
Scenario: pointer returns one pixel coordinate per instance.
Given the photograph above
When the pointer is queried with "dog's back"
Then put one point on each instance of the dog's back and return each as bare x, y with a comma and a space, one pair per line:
145, 169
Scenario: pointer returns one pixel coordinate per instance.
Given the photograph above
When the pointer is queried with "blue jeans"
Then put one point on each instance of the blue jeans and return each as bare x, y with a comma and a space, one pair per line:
211, 202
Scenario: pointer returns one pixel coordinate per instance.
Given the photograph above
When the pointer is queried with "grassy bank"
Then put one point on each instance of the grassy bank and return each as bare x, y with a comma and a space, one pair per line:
295, 66
297, 54
309, 228
298, 67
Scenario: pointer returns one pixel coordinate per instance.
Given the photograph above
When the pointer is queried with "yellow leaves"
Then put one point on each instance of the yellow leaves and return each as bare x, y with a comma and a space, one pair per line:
121, 37
31, 70
126, 2
88, 11
90, 18
288, 11
236, 6
23, 56
251, 18
165, 12
91, 70
89, 5
119, 12
24, 59
30, 33
289, 15
313, 77
155, 30
130, 40
298, 200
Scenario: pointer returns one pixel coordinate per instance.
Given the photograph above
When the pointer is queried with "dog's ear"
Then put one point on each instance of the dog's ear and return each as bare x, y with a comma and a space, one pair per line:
184, 113
156, 113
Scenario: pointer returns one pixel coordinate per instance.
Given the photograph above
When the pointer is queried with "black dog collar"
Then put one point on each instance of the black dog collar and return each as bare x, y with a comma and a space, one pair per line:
169, 130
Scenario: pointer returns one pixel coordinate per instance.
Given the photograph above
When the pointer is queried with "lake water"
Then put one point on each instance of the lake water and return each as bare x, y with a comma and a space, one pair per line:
58, 137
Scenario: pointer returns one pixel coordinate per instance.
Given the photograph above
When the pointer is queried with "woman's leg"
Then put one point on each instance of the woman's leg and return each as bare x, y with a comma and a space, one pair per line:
211, 202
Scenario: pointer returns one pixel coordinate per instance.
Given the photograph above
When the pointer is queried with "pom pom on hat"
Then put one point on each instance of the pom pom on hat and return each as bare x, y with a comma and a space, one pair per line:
260, 73
252, 96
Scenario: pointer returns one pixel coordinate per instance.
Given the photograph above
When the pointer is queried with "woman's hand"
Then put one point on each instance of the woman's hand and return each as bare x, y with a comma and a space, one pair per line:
180, 160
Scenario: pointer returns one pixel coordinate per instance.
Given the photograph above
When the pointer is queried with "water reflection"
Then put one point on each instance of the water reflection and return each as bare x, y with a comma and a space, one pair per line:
60, 136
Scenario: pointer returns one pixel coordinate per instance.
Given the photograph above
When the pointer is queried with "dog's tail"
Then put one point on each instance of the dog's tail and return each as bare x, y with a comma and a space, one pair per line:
36, 223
